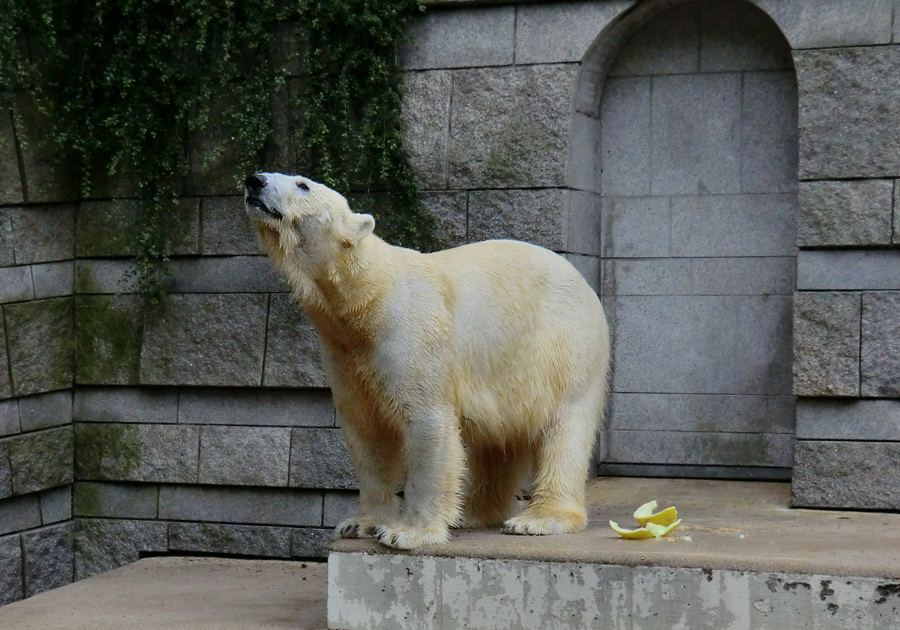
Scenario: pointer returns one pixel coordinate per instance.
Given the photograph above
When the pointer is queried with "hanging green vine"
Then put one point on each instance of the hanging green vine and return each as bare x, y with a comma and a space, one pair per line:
131, 85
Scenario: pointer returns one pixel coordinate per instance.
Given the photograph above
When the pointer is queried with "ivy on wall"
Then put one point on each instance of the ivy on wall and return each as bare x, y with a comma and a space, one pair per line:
128, 85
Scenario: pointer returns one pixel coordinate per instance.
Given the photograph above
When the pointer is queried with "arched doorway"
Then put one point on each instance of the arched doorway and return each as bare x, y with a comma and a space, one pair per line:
695, 165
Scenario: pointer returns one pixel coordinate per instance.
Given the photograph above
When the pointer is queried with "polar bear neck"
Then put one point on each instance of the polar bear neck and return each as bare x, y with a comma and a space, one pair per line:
336, 295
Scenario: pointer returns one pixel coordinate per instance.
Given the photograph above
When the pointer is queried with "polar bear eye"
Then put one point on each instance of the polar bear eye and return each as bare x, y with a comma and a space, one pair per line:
303, 186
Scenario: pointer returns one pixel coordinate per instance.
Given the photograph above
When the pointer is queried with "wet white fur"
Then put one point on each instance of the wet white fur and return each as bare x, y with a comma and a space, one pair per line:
453, 372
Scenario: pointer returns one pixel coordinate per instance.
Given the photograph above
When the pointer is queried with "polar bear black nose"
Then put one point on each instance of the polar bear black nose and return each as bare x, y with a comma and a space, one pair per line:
255, 182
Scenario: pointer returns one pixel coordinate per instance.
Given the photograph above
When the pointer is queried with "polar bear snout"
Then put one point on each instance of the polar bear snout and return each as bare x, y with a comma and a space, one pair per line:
257, 196
255, 183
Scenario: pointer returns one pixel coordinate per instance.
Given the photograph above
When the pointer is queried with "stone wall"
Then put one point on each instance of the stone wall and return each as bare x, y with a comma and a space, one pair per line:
36, 376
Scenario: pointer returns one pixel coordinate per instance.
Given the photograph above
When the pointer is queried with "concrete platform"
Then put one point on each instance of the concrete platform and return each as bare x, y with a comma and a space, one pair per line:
742, 559
182, 594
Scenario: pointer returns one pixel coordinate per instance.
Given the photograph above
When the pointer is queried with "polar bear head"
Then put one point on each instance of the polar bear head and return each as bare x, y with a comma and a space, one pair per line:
299, 217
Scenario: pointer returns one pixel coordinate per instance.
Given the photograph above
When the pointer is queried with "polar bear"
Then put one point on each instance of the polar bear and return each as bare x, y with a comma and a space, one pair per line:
452, 371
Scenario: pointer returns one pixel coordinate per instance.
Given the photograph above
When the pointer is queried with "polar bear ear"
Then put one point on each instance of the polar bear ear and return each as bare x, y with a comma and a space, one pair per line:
359, 226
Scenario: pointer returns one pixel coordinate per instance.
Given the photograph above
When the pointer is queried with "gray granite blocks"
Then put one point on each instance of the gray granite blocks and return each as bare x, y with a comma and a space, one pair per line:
845, 213
509, 127
137, 452
848, 475
319, 459
848, 419
108, 338
204, 339
11, 584
293, 357
42, 233
41, 350
826, 344
457, 39
243, 540
258, 506
105, 544
535, 216
848, 112
108, 228
225, 228
244, 456
115, 500
41, 460
880, 352
426, 112
49, 558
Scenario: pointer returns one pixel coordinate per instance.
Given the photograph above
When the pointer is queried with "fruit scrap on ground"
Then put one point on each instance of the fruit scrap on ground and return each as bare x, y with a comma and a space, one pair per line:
653, 524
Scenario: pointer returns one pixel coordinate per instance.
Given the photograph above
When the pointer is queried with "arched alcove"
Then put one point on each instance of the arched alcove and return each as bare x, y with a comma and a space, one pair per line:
685, 138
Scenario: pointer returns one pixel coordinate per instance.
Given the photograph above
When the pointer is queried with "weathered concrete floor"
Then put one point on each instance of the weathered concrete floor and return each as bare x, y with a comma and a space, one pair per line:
744, 526
182, 594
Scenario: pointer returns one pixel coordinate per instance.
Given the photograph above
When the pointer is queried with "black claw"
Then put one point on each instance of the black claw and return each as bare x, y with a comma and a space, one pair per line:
394, 539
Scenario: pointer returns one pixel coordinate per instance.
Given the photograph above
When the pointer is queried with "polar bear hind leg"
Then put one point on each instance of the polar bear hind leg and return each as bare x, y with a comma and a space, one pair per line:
494, 474
561, 460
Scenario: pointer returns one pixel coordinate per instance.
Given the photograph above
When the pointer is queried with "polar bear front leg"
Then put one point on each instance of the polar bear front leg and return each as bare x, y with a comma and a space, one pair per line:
376, 458
435, 464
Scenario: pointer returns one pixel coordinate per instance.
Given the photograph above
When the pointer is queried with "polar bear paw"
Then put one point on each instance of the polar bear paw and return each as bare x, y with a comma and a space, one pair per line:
530, 523
399, 536
356, 527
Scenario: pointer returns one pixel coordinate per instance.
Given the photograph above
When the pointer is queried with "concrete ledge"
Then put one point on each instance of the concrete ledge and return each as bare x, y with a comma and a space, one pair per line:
741, 555
182, 594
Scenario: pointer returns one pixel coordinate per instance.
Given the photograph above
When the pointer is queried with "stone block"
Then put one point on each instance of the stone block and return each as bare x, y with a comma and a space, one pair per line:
214, 160
846, 475
258, 506
700, 276
279, 152
45, 410
311, 543
769, 132
702, 412
11, 584
98, 276
226, 229
848, 112
696, 344
845, 213
108, 334
238, 274
5, 471
826, 344
40, 335
701, 448
625, 141
585, 154
583, 223
41, 460
19, 513
461, 38
47, 177
42, 233
635, 227
848, 420
9, 418
830, 23
451, 210
53, 279
244, 456
115, 500
426, 114
896, 238
49, 558
880, 351
339, 506
740, 37
5, 382
205, 340
319, 459
667, 44
293, 356
696, 134
535, 216
7, 252
15, 284
110, 228
848, 270
588, 267
105, 544
56, 505
10, 179
293, 408
241, 540
509, 127
137, 452
547, 33
739, 225
128, 405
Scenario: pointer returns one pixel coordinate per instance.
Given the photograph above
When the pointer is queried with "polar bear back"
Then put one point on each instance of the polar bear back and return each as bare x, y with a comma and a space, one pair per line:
529, 333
